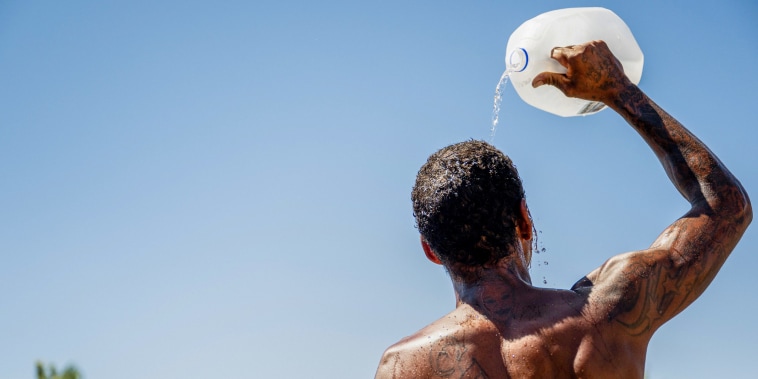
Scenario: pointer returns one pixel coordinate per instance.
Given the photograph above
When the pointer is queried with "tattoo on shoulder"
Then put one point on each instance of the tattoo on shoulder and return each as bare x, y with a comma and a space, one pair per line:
449, 358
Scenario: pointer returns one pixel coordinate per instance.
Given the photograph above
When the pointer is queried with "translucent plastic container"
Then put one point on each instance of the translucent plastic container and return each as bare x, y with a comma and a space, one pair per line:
529, 47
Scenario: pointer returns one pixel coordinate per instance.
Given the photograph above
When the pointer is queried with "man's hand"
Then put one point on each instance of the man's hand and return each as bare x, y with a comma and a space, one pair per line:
592, 72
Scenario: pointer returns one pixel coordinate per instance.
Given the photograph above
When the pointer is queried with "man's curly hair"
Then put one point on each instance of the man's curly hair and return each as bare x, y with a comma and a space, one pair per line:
466, 202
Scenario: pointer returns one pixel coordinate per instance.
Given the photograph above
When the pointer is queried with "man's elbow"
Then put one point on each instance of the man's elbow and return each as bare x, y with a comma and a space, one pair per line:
741, 210
730, 203
747, 212
745, 208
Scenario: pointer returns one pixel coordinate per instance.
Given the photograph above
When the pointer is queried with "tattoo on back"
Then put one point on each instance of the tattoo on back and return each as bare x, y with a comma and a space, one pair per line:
450, 358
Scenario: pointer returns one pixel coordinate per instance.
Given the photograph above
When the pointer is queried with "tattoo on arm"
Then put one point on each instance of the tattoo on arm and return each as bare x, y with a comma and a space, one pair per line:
654, 296
662, 283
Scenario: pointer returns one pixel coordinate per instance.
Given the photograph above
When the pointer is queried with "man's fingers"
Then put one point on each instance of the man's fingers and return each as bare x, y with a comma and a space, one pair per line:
560, 54
551, 78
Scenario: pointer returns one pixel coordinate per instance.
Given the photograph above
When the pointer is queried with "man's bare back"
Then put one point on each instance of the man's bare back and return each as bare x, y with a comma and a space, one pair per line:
535, 333
503, 327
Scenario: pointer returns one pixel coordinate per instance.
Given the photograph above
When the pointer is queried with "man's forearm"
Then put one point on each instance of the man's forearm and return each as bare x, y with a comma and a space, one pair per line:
695, 171
593, 73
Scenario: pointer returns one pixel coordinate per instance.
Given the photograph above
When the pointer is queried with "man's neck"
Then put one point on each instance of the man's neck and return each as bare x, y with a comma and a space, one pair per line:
498, 284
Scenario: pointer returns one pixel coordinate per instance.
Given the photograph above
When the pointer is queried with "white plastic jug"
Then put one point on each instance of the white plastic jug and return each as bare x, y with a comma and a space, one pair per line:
529, 47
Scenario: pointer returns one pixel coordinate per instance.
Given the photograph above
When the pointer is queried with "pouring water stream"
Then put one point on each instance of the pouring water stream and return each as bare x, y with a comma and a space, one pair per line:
499, 90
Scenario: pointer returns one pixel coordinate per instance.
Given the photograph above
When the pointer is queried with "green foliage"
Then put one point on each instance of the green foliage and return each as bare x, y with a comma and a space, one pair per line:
70, 372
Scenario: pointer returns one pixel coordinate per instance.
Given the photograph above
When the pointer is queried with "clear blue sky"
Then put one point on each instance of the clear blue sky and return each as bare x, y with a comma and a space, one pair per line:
222, 189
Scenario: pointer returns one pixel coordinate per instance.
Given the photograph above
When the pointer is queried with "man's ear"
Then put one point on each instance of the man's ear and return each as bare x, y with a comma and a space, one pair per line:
429, 252
524, 225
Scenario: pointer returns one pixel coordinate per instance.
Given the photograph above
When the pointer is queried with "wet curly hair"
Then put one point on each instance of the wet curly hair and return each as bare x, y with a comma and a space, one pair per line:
466, 202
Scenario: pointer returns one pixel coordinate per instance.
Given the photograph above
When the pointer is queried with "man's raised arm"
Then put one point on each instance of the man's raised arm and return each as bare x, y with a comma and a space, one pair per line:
653, 285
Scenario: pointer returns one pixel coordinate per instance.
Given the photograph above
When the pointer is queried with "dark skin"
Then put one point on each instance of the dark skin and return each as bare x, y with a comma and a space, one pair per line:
503, 327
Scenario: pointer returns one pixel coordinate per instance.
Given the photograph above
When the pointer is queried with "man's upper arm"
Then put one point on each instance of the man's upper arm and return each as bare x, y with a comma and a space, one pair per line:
649, 287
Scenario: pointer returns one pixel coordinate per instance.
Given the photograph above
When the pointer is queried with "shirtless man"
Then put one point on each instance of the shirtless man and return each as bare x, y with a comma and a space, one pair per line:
470, 210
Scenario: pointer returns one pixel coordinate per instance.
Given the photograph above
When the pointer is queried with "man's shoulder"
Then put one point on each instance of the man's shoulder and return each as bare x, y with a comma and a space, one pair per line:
404, 359
408, 358
445, 345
